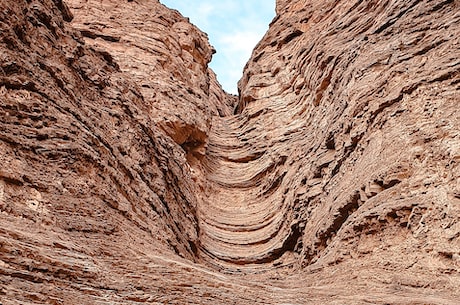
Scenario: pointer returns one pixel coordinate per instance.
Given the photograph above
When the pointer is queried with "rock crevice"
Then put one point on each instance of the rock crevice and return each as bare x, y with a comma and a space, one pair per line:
129, 176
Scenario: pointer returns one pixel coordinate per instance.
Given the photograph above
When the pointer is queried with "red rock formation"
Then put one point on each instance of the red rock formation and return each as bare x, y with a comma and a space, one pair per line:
127, 177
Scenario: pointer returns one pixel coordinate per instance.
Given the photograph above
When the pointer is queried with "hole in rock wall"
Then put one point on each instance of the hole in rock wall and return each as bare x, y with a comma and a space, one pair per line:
234, 28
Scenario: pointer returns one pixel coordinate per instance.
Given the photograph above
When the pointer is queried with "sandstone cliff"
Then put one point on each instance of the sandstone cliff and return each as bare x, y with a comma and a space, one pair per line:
129, 176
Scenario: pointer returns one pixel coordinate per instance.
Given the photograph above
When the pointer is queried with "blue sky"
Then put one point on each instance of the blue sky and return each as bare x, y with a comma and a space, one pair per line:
234, 28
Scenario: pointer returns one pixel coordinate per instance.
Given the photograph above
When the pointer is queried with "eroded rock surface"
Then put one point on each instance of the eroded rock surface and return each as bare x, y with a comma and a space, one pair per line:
129, 176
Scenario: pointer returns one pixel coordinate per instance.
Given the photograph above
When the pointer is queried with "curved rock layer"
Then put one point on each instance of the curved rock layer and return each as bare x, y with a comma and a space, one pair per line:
129, 176
347, 123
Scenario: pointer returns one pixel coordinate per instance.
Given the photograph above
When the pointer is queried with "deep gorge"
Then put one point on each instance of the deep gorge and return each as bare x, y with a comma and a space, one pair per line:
129, 176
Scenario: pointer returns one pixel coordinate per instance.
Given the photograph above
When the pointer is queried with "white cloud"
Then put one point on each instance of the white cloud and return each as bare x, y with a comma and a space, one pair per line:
241, 42
202, 14
234, 28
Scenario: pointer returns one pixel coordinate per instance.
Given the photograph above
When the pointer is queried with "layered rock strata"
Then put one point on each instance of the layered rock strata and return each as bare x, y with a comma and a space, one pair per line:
339, 132
92, 173
129, 176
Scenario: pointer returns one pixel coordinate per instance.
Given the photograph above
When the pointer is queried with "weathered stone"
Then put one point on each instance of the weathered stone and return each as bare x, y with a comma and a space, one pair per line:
129, 176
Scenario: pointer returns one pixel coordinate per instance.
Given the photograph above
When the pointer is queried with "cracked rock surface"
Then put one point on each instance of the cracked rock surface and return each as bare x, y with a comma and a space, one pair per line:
128, 176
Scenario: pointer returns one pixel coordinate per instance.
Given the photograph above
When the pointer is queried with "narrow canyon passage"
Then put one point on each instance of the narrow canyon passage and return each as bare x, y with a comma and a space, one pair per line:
265, 171
129, 176
247, 207
244, 208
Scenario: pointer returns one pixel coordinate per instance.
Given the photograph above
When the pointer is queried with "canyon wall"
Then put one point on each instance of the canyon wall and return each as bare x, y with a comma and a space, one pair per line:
129, 176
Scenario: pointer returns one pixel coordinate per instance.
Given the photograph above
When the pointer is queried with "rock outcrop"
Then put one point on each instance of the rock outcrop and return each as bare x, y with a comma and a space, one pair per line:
129, 176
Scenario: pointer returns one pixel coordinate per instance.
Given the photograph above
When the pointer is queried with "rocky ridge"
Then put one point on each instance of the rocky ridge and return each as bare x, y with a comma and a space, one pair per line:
129, 176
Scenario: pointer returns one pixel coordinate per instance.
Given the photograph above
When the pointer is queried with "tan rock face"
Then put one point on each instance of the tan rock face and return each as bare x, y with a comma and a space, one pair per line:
361, 99
129, 176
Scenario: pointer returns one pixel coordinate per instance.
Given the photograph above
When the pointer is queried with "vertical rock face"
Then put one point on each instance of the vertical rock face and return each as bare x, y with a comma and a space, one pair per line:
92, 172
366, 95
129, 176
